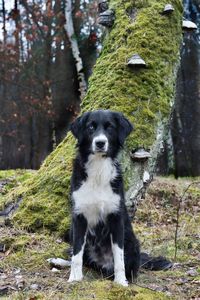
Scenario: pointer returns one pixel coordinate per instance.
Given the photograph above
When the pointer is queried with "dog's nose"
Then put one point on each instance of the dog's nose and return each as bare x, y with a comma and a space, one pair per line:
100, 144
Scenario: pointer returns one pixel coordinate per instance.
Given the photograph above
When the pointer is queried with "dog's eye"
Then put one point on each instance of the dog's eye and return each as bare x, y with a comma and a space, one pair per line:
91, 127
108, 125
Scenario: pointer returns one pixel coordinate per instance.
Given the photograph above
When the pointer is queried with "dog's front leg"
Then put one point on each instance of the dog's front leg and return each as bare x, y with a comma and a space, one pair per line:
116, 225
79, 239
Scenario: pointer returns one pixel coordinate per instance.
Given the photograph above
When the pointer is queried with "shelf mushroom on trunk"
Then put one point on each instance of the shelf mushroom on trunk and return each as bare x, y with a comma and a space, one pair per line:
168, 9
140, 155
136, 62
107, 18
102, 6
189, 25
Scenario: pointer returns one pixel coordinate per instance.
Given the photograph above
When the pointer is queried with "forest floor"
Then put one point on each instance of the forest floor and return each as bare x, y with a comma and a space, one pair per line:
26, 274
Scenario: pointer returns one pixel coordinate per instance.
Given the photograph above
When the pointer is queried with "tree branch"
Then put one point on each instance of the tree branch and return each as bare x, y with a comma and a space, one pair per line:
30, 11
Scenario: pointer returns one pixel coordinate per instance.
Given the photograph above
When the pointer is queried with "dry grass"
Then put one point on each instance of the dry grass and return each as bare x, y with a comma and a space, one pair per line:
23, 262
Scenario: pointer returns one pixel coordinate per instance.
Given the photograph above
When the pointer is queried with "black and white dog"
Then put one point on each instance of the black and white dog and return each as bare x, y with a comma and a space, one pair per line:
102, 234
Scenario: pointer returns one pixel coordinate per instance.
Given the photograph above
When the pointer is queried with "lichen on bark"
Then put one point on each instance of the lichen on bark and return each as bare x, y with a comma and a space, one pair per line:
144, 96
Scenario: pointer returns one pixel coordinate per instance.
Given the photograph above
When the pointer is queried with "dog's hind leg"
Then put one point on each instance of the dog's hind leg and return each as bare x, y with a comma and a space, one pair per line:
132, 255
116, 226
79, 239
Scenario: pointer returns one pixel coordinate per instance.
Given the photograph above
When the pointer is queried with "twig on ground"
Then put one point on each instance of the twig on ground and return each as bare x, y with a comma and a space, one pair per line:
145, 287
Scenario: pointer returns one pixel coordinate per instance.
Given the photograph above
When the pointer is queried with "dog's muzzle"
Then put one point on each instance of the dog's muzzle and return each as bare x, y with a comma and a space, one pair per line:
100, 144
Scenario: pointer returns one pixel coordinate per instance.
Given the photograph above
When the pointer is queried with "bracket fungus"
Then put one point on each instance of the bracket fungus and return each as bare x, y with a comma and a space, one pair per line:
107, 18
136, 62
140, 155
168, 9
189, 25
102, 6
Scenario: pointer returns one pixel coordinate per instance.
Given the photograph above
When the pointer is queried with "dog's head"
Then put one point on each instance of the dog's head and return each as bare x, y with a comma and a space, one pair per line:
101, 131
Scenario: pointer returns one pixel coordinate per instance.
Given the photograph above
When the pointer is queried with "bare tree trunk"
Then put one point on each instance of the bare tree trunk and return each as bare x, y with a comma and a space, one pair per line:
75, 49
4, 22
16, 16
2, 82
145, 96
185, 123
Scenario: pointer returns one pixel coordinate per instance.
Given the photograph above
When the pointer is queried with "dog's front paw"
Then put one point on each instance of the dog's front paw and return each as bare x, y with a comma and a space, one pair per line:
121, 279
121, 282
75, 277
71, 279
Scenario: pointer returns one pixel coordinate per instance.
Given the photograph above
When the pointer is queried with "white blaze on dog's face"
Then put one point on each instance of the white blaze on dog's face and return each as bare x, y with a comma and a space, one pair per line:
101, 131
100, 144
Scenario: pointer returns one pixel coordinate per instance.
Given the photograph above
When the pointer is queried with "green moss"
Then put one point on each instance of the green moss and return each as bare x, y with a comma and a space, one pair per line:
45, 195
143, 95
155, 226
29, 251
97, 290
11, 179
150, 295
19, 174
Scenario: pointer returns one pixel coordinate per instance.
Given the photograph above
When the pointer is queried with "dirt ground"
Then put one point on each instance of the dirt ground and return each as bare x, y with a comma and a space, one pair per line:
26, 274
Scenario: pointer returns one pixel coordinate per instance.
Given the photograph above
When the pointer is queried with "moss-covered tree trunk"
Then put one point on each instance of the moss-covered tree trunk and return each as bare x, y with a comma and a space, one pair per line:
145, 96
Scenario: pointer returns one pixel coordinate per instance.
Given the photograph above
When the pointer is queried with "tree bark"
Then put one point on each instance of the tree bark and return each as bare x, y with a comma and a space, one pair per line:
145, 96
4, 23
185, 123
69, 26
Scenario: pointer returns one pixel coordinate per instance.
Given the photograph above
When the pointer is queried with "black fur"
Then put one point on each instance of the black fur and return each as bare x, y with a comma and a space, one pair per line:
115, 127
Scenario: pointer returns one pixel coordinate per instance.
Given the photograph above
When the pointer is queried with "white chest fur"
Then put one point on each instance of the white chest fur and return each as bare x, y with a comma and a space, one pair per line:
95, 198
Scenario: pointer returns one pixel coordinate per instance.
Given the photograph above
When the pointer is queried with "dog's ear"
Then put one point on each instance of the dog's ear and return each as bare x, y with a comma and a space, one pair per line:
77, 126
125, 127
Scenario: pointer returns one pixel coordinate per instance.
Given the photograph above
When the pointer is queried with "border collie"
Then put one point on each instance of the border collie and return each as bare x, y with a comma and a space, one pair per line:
102, 233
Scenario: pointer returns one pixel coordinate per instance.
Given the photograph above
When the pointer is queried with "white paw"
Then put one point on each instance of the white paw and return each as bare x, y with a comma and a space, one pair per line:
121, 282
76, 278
121, 279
